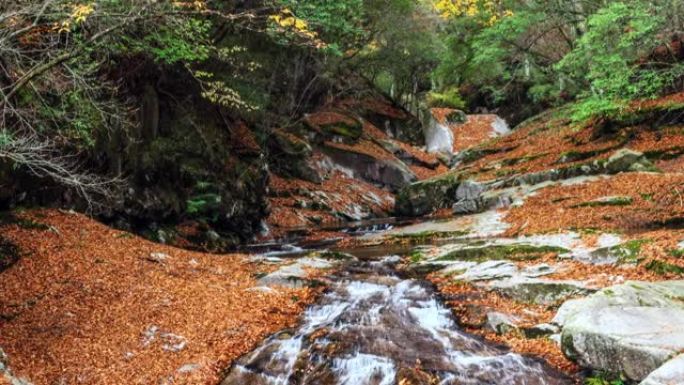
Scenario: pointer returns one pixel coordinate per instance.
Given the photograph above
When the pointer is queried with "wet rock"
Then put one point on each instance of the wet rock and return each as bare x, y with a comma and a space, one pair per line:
671, 373
412, 376
630, 329
367, 332
501, 323
295, 274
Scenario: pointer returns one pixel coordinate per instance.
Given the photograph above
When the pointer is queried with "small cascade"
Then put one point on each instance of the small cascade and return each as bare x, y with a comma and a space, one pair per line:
439, 138
500, 127
370, 326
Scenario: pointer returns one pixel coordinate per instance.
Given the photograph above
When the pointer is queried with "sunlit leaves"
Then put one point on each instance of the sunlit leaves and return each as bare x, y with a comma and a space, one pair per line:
488, 11
78, 16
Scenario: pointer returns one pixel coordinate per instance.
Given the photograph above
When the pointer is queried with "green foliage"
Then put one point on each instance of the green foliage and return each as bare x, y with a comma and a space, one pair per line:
606, 56
450, 98
596, 107
202, 204
6, 138
550, 52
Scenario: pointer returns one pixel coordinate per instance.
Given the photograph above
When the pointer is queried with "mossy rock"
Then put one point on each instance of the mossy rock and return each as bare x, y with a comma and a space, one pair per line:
427, 236
292, 145
423, 197
515, 252
625, 253
335, 124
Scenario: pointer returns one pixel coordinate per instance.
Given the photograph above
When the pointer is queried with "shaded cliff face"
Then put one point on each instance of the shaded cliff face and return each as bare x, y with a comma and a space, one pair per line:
201, 177
195, 175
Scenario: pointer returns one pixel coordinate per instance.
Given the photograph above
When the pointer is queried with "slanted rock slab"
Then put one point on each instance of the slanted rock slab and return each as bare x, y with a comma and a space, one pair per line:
631, 329
672, 373
633, 341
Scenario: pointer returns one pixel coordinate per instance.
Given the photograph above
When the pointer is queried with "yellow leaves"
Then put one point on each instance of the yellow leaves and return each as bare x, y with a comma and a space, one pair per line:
491, 11
196, 4
79, 14
288, 21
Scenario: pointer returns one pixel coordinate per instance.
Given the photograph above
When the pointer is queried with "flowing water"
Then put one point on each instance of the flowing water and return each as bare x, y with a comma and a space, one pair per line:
370, 327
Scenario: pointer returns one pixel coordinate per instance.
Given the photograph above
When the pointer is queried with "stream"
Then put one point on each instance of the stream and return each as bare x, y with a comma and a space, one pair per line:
370, 328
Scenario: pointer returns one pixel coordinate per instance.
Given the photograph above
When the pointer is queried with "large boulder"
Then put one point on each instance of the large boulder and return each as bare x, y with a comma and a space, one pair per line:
389, 172
423, 197
630, 329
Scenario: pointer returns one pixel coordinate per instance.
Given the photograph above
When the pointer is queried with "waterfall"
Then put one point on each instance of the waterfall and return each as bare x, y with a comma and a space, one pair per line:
439, 138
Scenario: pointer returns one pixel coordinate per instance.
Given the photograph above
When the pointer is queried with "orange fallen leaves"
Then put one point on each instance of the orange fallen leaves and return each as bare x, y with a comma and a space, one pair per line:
80, 303
654, 201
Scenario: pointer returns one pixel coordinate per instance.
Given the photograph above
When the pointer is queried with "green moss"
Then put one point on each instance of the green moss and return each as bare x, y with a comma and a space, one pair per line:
30, 224
629, 252
427, 236
613, 201
662, 268
601, 378
677, 253
516, 252
416, 256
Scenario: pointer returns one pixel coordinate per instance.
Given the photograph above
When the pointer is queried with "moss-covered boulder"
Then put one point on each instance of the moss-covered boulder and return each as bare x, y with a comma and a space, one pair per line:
423, 197
335, 123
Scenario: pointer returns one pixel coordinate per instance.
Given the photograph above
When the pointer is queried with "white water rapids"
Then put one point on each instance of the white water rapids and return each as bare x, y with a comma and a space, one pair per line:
369, 326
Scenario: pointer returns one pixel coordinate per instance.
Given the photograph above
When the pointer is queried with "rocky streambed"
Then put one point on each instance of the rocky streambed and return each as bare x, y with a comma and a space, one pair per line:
375, 327
412, 304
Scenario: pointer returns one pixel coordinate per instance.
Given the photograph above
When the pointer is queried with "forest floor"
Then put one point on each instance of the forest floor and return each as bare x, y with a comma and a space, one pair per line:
88, 304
